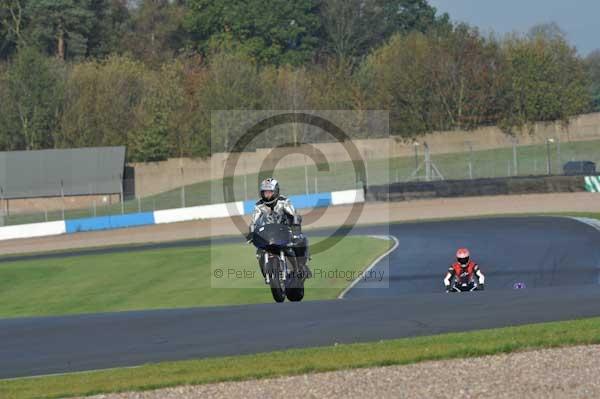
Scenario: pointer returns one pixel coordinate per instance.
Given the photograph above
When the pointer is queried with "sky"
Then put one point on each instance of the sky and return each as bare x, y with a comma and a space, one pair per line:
580, 19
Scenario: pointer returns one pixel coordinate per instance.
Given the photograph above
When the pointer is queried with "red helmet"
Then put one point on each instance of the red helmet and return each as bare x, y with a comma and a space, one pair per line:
462, 256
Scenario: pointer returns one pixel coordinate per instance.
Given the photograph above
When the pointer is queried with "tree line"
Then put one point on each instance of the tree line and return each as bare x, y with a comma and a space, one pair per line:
148, 73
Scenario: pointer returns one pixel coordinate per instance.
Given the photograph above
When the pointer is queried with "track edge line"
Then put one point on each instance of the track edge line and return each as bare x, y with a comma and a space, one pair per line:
372, 265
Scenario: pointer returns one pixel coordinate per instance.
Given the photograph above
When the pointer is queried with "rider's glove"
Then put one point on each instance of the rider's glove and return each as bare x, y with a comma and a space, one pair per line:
481, 287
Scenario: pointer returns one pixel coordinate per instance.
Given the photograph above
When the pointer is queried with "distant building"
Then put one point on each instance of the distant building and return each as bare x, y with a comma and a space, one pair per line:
46, 180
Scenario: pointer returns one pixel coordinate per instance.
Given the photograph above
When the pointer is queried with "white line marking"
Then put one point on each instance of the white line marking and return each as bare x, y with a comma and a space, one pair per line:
595, 223
373, 264
67, 373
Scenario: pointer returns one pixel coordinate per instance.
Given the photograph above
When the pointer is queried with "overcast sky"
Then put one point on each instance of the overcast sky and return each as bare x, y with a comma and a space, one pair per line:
580, 19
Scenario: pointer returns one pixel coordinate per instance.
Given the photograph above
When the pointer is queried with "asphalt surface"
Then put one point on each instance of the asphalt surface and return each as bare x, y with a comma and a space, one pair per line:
557, 260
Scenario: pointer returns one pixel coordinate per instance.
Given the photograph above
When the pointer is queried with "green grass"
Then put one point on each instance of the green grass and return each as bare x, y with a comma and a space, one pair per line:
291, 362
340, 176
167, 278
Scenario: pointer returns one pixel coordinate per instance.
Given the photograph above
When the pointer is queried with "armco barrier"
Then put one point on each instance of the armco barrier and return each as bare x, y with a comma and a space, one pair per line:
109, 222
199, 212
347, 197
475, 187
171, 215
33, 230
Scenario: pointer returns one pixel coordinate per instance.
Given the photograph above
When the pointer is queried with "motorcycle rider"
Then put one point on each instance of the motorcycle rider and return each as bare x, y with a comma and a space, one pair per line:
272, 202
464, 267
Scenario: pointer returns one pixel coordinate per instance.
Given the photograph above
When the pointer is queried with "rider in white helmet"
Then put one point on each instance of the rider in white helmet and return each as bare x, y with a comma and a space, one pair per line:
272, 202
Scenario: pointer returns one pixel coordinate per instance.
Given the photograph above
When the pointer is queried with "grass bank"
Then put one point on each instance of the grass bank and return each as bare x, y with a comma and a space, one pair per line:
165, 278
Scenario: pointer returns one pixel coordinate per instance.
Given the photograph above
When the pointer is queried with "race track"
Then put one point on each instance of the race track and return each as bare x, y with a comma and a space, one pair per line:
556, 259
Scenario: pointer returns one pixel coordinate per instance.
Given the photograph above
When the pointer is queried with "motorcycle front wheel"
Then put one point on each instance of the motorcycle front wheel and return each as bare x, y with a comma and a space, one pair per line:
276, 279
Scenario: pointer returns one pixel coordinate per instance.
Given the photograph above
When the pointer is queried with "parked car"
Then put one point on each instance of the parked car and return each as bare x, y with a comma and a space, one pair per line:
579, 168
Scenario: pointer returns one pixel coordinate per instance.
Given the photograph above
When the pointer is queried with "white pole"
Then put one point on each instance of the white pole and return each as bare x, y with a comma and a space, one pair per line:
305, 175
182, 189
62, 196
515, 162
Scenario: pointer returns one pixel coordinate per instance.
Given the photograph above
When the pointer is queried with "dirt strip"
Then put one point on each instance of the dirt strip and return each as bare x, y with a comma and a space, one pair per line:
552, 373
372, 213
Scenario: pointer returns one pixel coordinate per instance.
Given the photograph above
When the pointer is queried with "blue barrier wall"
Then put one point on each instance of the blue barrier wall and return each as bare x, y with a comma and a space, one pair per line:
311, 200
299, 201
148, 218
249, 207
110, 222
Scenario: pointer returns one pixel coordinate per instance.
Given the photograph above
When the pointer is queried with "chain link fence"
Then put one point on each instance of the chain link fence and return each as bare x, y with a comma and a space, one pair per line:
547, 157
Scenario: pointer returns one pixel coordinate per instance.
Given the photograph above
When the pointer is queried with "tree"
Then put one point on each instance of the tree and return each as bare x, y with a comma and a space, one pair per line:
548, 32
61, 27
111, 21
547, 81
151, 143
232, 82
592, 64
102, 101
271, 31
465, 73
34, 99
354, 27
395, 78
12, 22
157, 33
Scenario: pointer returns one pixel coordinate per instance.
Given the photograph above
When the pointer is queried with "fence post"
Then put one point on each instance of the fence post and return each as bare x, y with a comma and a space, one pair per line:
305, 175
62, 196
367, 171
1, 206
548, 160
122, 199
470, 144
182, 189
558, 154
427, 163
515, 160
416, 146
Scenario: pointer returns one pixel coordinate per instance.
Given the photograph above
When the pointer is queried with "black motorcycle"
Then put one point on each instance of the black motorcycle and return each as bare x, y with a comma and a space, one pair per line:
464, 284
464, 287
276, 241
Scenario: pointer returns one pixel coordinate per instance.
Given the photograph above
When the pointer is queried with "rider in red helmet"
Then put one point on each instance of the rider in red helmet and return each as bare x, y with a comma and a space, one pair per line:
464, 268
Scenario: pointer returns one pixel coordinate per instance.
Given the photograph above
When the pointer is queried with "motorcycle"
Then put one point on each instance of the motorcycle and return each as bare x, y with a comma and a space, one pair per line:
464, 284
276, 240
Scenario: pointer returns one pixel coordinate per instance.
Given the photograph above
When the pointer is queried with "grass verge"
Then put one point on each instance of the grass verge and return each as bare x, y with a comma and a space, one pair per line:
299, 361
165, 278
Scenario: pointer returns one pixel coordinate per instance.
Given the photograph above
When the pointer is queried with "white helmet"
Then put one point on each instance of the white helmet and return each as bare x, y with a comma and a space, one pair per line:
269, 184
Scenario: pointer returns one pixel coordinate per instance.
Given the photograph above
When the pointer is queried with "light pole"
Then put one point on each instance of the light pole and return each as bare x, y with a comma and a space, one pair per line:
470, 144
549, 166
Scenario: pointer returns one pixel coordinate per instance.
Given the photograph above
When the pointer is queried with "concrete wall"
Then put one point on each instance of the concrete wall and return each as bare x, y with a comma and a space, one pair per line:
475, 188
153, 178
35, 205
